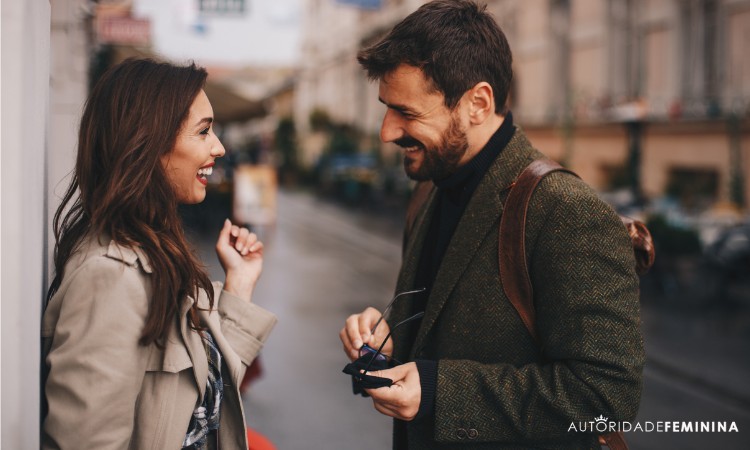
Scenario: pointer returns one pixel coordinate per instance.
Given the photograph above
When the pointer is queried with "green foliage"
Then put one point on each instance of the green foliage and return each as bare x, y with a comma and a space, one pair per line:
101, 60
286, 142
344, 140
320, 120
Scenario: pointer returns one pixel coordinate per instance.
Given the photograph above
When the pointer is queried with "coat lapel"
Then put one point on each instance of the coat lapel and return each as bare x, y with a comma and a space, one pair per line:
195, 348
478, 219
412, 252
481, 217
413, 248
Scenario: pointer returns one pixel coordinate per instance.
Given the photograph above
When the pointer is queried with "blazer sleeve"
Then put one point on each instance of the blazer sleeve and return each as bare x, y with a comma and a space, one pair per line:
588, 320
96, 366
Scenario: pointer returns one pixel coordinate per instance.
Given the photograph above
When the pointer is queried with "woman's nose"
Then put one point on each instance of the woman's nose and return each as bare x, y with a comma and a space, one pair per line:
217, 151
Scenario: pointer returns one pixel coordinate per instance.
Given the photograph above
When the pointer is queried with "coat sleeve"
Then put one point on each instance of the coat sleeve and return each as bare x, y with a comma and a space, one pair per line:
587, 305
96, 366
244, 325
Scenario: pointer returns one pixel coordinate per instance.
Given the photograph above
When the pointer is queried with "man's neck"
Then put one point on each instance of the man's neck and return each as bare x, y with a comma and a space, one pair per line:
479, 135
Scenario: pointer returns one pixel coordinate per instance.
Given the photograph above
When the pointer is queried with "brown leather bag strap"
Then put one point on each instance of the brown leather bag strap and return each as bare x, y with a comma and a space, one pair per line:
514, 272
615, 440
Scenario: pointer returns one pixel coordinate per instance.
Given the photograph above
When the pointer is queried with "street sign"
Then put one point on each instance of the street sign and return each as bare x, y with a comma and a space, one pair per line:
123, 30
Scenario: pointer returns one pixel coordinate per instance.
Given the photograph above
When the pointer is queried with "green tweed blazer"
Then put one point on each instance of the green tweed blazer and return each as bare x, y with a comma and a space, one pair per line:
496, 387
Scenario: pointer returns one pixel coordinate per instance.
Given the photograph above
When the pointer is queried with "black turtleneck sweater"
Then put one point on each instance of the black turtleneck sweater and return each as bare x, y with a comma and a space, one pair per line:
452, 197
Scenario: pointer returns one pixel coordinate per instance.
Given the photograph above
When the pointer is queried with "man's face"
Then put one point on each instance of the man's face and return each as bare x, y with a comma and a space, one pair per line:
417, 120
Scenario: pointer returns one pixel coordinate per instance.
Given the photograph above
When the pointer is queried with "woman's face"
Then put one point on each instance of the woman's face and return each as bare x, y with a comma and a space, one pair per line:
190, 162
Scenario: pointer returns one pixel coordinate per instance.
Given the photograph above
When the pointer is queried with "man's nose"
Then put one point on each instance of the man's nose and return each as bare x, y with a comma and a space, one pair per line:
392, 127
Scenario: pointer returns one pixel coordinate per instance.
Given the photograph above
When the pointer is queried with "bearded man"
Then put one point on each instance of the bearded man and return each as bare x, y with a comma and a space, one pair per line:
473, 376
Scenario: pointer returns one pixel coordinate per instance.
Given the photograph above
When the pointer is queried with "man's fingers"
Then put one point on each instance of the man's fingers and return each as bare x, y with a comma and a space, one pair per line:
353, 331
364, 327
349, 348
385, 410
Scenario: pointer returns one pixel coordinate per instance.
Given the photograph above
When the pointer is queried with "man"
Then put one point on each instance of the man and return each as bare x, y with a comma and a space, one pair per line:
474, 376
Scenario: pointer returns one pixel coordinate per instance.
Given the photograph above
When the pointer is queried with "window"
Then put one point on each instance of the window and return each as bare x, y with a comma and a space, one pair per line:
699, 87
696, 189
622, 80
223, 7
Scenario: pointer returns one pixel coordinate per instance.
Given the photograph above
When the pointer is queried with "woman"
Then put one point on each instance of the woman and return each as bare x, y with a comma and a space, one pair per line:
141, 350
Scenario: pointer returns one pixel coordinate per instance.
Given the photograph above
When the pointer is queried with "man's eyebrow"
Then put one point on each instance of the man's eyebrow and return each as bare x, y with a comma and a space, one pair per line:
397, 107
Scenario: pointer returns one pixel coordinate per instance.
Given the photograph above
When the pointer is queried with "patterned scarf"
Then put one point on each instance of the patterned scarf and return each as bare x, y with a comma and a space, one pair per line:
206, 417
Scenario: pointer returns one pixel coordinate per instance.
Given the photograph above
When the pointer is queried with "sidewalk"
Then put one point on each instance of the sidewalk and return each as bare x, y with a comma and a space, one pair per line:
707, 347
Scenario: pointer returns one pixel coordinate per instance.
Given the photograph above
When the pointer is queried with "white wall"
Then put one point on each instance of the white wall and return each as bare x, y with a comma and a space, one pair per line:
24, 96
68, 83
267, 34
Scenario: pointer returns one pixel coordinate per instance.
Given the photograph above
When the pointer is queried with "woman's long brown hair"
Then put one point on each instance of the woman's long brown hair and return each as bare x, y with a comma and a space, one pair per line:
120, 189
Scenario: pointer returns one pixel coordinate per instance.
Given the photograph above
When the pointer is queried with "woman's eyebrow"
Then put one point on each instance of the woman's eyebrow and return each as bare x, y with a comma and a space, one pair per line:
207, 120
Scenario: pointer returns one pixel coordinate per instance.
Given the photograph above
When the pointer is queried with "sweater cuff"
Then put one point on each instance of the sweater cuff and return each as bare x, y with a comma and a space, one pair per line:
428, 381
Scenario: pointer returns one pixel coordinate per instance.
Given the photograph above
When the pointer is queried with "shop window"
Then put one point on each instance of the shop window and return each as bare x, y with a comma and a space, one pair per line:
695, 189
223, 7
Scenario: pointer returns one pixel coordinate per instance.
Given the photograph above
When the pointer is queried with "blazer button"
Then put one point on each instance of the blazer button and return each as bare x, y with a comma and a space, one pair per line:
461, 433
473, 433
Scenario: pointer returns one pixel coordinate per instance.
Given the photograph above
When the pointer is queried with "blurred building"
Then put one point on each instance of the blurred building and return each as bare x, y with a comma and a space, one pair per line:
51, 52
652, 97
45, 48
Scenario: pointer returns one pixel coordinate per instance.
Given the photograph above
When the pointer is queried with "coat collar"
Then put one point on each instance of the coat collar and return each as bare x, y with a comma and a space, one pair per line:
188, 339
129, 255
481, 217
194, 342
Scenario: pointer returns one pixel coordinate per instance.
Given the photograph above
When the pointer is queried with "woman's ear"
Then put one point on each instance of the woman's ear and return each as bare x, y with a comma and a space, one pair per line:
481, 103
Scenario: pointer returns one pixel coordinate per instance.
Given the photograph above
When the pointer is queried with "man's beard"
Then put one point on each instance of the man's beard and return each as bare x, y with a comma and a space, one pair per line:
437, 162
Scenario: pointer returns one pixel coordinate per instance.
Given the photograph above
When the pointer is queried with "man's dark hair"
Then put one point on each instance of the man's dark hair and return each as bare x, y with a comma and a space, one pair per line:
456, 43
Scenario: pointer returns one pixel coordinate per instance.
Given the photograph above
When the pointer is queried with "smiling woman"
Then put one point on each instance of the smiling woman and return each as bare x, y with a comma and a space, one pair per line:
194, 152
140, 349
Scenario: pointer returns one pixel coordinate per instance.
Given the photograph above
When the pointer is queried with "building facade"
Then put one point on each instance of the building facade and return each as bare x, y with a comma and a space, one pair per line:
44, 66
645, 95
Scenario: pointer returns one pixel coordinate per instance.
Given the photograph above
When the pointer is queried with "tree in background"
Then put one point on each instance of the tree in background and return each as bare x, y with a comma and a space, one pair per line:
285, 140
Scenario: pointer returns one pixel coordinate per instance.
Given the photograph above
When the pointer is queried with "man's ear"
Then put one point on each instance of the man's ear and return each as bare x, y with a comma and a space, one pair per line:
481, 101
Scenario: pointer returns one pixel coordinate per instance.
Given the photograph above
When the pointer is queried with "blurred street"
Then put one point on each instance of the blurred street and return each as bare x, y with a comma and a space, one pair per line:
324, 262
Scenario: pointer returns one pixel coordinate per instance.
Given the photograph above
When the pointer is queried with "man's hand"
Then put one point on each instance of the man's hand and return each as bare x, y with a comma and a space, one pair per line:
401, 400
356, 332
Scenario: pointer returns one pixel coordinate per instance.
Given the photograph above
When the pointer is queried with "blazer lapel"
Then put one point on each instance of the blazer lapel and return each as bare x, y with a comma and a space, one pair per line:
414, 246
478, 220
481, 217
402, 308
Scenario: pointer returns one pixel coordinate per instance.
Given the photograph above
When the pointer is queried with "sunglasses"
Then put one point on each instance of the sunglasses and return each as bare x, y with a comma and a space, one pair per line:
372, 359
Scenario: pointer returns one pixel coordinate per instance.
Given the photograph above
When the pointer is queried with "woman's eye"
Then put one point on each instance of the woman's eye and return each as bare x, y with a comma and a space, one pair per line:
205, 130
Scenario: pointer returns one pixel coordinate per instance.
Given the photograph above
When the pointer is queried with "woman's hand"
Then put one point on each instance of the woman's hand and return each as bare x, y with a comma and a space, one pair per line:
241, 256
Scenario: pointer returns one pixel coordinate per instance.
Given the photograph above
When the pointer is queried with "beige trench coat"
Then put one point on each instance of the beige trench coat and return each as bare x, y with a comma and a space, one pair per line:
103, 390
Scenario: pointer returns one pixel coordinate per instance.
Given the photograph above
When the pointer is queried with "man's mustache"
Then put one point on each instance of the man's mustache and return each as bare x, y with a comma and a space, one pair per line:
407, 141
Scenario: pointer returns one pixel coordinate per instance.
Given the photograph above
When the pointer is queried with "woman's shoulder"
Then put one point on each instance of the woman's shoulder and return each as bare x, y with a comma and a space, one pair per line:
102, 253
101, 272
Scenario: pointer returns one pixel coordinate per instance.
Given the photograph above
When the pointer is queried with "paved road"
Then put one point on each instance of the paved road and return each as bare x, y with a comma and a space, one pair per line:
324, 262
321, 267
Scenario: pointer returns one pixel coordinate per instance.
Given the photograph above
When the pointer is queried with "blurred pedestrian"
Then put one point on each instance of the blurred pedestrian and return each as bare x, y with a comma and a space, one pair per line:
474, 377
141, 350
